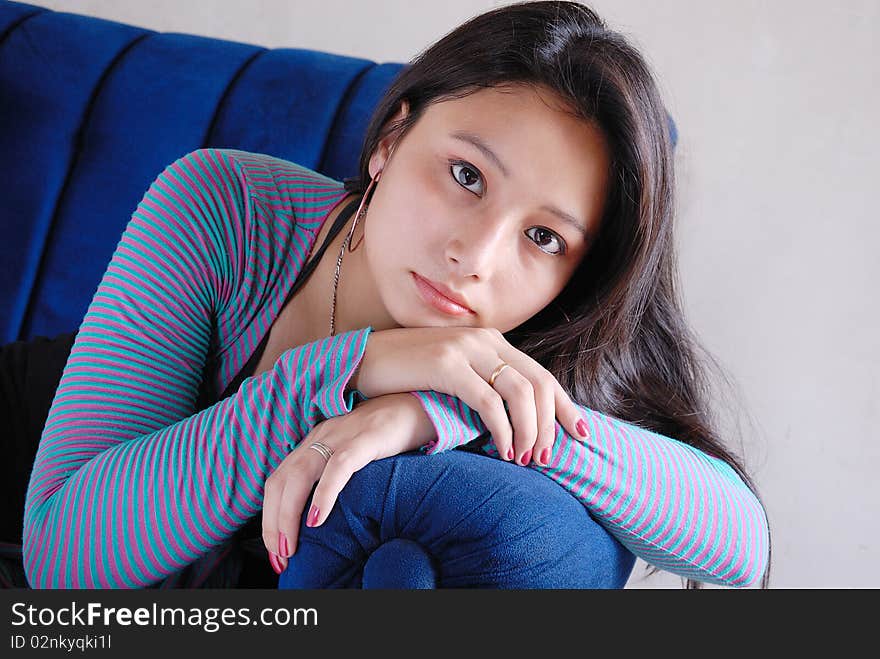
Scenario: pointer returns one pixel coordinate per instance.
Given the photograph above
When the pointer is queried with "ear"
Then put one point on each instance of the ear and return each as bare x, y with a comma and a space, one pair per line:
386, 145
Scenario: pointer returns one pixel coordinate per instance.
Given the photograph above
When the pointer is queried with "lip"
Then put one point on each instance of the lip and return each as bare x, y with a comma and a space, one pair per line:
440, 297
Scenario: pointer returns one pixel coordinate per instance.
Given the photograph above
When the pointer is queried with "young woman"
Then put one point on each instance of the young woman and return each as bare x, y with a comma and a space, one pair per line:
504, 262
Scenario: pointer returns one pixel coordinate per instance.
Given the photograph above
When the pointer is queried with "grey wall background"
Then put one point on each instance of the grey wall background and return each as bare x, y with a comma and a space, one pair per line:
777, 103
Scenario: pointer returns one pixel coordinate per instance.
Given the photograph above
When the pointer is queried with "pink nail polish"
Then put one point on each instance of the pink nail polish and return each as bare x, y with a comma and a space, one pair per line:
275, 563
526, 457
582, 428
510, 454
545, 456
313, 516
282, 544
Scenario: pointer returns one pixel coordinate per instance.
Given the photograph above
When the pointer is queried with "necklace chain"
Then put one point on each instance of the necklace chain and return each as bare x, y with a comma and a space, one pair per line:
345, 243
361, 212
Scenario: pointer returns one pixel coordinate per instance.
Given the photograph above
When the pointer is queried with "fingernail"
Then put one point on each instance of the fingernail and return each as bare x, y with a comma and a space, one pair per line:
275, 563
510, 454
313, 516
526, 457
282, 544
582, 428
545, 456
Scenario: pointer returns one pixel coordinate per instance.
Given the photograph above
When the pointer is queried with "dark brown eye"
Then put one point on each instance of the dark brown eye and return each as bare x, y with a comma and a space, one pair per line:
467, 176
543, 237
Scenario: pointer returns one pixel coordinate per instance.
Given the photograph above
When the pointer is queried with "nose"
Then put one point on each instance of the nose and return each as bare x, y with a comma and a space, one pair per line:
478, 246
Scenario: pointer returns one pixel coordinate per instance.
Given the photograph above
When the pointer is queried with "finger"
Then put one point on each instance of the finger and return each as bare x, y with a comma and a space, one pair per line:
336, 475
293, 503
571, 416
530, 399
545, 402
298, 470
488, 403
272, 491
520, 396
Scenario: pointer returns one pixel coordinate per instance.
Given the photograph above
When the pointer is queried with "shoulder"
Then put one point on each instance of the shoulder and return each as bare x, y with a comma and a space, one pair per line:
245, 179
280, 187
264, 171
257, 170
257, 202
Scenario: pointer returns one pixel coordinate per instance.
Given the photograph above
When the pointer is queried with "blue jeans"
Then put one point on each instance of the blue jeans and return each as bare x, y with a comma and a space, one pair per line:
457, 519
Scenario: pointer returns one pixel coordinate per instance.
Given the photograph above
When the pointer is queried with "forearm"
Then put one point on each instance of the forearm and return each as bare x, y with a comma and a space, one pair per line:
670, 504
156, 502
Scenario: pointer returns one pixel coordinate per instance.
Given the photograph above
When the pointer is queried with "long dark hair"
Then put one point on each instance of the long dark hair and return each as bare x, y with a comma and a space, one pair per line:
615, 338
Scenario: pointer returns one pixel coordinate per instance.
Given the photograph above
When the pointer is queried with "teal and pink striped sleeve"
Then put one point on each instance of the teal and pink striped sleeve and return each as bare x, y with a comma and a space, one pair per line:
130, 485
670, 504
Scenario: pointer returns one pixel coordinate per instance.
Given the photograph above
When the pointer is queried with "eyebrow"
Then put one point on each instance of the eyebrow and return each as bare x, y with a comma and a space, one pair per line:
478, 143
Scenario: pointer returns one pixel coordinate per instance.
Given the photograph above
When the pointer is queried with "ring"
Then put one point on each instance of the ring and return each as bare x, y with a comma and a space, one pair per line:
325, 451
497, 372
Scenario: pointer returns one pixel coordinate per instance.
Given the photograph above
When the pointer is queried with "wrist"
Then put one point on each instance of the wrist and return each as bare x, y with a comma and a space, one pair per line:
352, 384
423, 430
412, 426
365, 379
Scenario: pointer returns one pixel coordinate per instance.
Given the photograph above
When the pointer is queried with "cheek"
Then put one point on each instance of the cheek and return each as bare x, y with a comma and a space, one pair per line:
395, 229
416, 208
413, 225
432, 185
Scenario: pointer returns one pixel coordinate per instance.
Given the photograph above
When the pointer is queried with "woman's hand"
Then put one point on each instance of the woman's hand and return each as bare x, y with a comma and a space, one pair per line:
459, 361
375, 429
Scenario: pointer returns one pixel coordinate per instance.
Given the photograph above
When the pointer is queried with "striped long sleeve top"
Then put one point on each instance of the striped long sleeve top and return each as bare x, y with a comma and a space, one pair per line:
130, 485
669, 503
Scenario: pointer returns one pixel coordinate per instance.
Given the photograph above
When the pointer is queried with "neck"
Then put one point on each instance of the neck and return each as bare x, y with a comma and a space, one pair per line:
358, 303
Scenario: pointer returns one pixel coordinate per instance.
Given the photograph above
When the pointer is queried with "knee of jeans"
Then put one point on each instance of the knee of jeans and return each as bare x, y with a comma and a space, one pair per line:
482, 522
500, 525
400, 564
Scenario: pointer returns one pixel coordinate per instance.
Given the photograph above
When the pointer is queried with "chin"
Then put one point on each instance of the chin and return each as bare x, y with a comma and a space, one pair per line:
403, 309
419, 316
425, 319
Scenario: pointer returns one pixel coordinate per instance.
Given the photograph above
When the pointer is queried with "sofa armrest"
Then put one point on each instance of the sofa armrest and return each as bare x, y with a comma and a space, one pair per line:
455, 520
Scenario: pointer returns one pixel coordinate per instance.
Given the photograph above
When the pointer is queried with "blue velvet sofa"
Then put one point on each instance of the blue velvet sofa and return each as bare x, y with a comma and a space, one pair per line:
90, 112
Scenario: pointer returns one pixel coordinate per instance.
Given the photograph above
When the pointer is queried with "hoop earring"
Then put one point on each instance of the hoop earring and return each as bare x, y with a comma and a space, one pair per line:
361, 212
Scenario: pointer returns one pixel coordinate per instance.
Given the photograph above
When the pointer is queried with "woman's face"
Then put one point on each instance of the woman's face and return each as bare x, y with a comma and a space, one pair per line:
494, 196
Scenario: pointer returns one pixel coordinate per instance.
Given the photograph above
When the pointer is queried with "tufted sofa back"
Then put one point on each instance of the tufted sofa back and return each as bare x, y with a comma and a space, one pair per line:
91, 111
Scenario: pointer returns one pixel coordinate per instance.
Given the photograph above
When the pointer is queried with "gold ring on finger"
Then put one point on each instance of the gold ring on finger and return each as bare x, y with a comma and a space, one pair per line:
325, 451
497, 372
